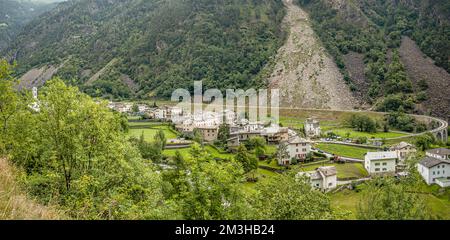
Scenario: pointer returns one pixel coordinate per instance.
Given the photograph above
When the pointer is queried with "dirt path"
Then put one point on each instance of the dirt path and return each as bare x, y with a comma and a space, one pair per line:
306, 76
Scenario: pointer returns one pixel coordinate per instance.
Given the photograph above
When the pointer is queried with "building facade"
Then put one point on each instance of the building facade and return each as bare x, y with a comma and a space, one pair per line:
381, 162
435, 167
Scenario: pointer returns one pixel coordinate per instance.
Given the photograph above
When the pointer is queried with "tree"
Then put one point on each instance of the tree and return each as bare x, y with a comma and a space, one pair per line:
424, 142
386, 199
259, 145
197, 136
10, 103
223, 134
160, 138
152, 150
75, 148
135, 108
282, 151
361, 140
248, 162
286, 197
212, 189
362, 123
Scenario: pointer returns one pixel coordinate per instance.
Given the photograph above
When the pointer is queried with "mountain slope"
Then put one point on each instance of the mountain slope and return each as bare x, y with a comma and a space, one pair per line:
14, 14
306, 76
421, 68
156, 45
365, 36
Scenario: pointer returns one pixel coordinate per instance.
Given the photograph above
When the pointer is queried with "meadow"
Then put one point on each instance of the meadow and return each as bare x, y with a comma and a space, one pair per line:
344, 150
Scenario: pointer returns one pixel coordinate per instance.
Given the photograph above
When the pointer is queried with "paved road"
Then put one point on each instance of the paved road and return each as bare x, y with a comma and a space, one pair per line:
330, 155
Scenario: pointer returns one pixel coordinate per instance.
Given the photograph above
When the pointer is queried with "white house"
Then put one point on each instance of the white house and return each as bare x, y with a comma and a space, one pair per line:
435, 167
298, 148
381, 162
143, 108
439, 153
323, 178
404, 150
434, 170
160, 114
312, 128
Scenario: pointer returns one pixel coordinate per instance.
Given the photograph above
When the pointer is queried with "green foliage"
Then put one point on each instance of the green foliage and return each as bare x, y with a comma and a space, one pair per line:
258, 145
160, 45
248, 161
404, 122
74, 153
387, 199
160, 138
372, 28
223, 134
397, 81
424, 142
396, 102
282, 151
362, 123
14, 15
209, 189
284, 197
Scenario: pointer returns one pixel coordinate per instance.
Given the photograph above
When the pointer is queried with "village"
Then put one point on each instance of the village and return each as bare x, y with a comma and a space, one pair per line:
293, 147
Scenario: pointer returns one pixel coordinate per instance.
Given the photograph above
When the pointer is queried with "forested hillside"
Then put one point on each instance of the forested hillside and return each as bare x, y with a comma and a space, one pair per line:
16, 14
131, 48
364, 37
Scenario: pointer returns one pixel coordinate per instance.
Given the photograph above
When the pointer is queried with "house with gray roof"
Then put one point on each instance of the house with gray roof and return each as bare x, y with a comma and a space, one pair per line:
440, 153
435, 167
323, 178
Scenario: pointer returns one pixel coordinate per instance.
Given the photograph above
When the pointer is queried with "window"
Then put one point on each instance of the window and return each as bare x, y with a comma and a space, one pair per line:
330, 184
384, 164
304, 149
377, 169
439, 166
434, 173
377, 164
439, 172
384, 169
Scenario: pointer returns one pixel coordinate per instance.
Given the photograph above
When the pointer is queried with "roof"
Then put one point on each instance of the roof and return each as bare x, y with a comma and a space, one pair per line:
320, 173
328, 171
401, 145
297, 139
430, 162
381, 155
440, 151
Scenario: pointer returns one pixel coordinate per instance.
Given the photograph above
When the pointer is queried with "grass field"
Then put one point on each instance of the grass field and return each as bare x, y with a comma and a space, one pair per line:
344, 171
150, 131
344, 150
171, 152
355, 134
349, 200
210, 149
272, 164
